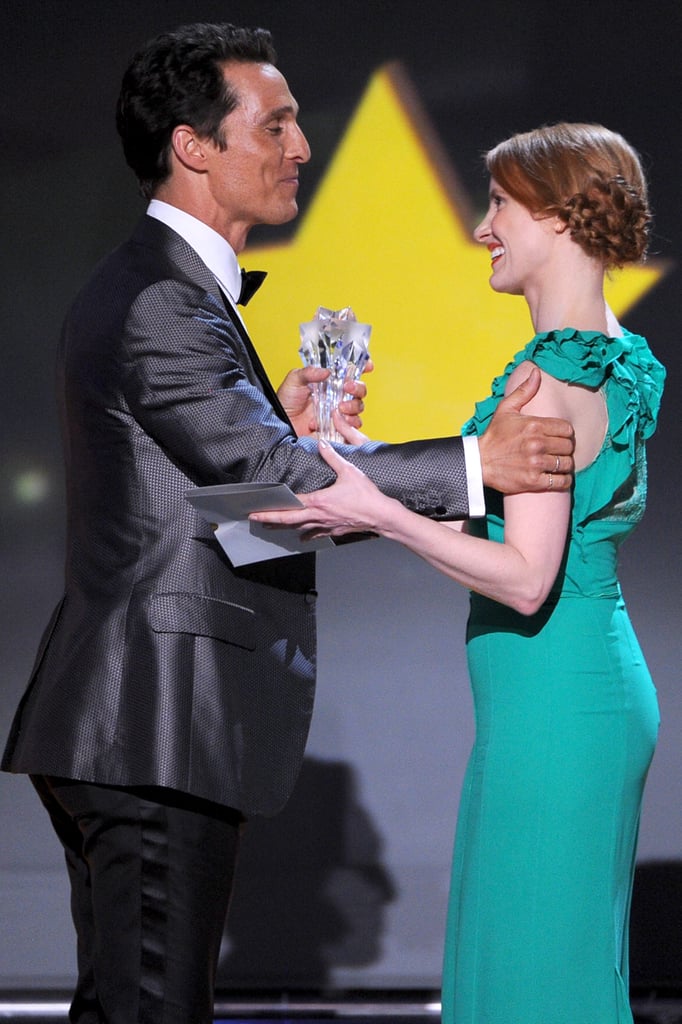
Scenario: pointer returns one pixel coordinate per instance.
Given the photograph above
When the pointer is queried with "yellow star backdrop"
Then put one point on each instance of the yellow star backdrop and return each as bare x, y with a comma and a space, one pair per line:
389, 233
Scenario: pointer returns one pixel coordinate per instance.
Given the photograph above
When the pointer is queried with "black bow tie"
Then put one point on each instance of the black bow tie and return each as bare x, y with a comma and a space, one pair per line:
251, 282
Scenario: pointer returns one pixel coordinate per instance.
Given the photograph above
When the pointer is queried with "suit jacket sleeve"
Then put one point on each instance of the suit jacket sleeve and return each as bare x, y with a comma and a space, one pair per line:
191, 385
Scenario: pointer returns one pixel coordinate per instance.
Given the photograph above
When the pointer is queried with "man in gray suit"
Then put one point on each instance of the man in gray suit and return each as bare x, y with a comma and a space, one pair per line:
172, 692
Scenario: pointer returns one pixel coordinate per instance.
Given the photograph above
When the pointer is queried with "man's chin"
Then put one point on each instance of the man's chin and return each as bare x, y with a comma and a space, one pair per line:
289, 214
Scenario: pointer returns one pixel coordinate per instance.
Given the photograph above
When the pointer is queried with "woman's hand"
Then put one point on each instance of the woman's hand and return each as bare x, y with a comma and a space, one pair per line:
349, 433
351, 505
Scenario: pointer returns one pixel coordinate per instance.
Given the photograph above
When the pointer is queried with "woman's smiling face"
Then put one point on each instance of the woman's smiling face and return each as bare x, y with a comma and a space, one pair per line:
520, 243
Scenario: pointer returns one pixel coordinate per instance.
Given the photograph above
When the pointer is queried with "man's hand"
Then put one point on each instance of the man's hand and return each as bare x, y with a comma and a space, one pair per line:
526, 453
296, 397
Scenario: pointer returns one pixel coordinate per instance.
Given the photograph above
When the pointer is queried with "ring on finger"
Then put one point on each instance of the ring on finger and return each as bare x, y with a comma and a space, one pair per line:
556, 468
550, 484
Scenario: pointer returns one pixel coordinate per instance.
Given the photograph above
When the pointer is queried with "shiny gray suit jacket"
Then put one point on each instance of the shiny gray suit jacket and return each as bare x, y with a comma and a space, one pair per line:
164, 665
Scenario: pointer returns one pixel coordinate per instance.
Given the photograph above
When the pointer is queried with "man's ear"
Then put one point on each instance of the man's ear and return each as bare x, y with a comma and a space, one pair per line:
188, 147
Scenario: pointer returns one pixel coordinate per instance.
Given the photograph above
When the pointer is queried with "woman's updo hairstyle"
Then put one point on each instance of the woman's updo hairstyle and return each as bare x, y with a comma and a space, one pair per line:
586, 175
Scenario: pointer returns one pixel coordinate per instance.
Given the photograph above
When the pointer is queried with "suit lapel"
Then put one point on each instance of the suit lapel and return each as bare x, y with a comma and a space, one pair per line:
153, 232
258, 367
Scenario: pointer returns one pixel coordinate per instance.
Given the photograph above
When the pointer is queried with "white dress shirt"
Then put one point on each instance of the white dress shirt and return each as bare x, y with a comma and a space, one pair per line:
221, 260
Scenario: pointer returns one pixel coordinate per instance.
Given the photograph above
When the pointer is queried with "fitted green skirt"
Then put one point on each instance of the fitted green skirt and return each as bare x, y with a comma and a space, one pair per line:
566, 725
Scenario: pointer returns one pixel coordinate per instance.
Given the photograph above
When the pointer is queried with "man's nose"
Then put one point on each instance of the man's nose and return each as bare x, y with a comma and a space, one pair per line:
299, 149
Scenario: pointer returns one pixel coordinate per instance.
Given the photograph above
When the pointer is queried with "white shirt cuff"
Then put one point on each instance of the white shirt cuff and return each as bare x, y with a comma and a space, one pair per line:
472, 461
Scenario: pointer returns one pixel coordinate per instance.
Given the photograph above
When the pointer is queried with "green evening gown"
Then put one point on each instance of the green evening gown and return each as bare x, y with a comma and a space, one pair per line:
566, 724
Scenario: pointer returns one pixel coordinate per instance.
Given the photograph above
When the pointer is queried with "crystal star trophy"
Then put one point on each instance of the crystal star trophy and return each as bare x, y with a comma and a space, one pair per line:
336, 341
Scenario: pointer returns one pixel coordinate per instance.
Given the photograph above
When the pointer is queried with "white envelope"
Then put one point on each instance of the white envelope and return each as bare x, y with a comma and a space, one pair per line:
227, 508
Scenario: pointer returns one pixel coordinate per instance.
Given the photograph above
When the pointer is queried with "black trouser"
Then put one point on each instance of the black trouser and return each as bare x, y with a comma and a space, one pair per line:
151, 873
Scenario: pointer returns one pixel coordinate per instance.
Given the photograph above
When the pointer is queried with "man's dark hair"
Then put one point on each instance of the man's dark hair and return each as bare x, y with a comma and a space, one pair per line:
175, 79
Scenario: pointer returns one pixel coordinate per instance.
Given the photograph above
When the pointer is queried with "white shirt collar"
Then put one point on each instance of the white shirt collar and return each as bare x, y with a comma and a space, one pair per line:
216, 253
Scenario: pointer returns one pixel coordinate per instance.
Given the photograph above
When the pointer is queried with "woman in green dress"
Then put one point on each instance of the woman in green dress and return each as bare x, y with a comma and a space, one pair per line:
566, 712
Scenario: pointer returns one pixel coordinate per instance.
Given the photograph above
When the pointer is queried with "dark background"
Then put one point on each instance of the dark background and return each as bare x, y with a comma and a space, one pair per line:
350, 882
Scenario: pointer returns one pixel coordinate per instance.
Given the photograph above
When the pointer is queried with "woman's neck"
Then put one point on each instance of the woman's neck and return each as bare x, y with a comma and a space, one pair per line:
573, 296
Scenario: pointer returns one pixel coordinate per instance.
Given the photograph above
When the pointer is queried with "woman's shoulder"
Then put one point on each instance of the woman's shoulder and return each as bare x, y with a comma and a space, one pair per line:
622, 364
588, 358
518, 373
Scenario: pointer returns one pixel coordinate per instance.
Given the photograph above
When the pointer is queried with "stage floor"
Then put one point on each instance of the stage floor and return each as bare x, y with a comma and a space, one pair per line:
647, 1009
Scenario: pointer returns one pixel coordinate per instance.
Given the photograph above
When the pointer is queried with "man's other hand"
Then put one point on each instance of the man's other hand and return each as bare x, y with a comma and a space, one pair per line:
526, 453
296, 397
